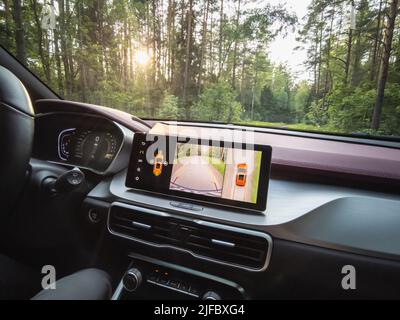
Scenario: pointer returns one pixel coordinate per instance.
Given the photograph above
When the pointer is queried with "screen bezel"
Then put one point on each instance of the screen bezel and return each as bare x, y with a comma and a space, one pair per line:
265, 168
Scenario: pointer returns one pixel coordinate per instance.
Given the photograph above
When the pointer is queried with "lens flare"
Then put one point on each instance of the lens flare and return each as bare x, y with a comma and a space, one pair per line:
142, 57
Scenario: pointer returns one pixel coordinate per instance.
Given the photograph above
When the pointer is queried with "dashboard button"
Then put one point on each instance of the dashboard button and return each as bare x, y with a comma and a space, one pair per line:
173, 283
163, 281
180, 205
184, 286
175, 204
94, 216
186, 206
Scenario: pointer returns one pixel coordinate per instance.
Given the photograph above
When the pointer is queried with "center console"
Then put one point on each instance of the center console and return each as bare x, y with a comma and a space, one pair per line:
173, 213
148, 278
177, 236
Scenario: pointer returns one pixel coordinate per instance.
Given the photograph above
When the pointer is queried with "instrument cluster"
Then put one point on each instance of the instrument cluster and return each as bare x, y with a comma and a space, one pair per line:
84, 141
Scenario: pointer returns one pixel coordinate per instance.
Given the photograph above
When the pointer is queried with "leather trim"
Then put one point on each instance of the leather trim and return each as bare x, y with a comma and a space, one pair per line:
13, 92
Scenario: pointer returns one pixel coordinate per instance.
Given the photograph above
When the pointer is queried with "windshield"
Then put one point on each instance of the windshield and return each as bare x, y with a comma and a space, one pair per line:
314, 65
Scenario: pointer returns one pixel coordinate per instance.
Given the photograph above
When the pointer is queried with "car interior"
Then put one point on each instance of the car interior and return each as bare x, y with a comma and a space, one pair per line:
72, 198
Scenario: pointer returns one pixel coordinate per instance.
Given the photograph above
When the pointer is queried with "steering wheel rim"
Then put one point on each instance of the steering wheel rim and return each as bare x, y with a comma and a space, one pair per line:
16, 138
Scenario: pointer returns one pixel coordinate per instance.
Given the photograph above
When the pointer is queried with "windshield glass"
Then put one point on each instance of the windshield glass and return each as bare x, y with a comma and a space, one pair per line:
313, 65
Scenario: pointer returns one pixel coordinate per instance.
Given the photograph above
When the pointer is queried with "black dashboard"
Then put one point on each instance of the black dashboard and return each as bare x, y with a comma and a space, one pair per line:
296, 248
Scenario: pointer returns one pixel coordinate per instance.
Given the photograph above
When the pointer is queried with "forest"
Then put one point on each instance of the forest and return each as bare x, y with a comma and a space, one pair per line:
208, 59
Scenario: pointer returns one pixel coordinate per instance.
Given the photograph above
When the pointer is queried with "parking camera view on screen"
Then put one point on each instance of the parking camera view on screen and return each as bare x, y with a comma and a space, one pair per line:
217, 172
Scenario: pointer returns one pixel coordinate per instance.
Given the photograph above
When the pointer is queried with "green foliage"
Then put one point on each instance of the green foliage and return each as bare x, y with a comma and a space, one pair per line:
390, 123
223, 74
351, 110
346, 64
169, 108
280, 100
217, 103
317, 114
267, 104
301, 100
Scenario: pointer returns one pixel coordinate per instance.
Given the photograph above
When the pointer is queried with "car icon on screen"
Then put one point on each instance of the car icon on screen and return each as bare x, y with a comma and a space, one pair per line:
158, 164
241, 176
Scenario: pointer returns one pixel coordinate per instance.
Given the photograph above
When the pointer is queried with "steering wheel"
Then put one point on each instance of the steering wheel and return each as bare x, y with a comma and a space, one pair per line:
16, 138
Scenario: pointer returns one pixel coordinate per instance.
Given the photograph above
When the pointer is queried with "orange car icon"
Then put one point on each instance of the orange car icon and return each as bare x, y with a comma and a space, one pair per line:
158, 164
241, 176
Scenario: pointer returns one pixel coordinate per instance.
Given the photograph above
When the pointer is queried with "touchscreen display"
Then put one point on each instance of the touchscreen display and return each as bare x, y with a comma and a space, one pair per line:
216, 172
207, 171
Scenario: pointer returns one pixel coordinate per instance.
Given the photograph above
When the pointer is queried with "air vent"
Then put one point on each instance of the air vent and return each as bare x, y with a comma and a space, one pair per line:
219, 243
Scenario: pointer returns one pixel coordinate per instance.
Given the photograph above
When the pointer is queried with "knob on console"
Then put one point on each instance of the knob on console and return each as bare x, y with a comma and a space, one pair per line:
211, 295
132, 279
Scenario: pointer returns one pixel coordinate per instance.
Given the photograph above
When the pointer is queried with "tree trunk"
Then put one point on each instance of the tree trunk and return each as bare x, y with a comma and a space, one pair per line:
181, 42
221, 34
203, 44
154, 41
393, 11
19, 31
376, 43
125, 66
327, 85
159, 36
316, 66
242, 81
211, 69
253, 94
8, 24
100, 28
58, 64
235, 49
320, 58
348, 56
172, 44
131, 55
40, 44
187, 56
69, 44
169, 39
64, 50
82, 68
356, 72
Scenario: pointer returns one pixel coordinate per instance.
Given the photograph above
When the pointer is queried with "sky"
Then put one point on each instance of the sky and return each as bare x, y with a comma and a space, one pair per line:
281, 50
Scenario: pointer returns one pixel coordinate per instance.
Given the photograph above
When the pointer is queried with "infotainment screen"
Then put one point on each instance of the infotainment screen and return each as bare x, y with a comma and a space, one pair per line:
227, 174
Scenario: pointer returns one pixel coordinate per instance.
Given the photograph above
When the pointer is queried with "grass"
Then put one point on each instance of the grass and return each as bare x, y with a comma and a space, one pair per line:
297, 126
217, 164
256, 177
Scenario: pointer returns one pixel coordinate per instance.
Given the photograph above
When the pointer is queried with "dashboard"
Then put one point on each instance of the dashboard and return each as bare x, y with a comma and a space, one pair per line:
84, 141
312, 225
